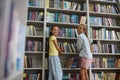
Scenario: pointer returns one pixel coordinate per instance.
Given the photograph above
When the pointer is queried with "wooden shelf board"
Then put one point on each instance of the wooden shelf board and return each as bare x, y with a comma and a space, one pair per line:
30, 36
68, 53
107, 27
73, 69
107, 40
100, 14
33, 22
102, 2
61, 23
33, 68
34, 52
66, 11
106, 69
107, 54
35, 8
66, 38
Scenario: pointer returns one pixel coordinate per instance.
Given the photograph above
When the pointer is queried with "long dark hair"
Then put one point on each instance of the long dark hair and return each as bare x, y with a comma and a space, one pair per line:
50, 34
50, 31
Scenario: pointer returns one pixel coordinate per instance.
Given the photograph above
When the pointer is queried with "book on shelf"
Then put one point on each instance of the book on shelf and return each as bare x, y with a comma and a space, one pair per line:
37, 62
50, 17
91, 7
32, 30
117, 63
37, 3
71, 76
69, 62
118, 4
103, 33
32, 62
117, 34
74, 19
105, 63
82, 19
65, 18
103, 21
105, 76
63, 61
48, 31
35, 15
33, 45
46, 63
64, 32
104, 8
105, 48
30, 76
66, 5
68, 47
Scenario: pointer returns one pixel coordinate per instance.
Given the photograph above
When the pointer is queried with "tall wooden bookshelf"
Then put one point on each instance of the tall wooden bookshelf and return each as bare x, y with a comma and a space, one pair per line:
109, 54
67, 17
36, 68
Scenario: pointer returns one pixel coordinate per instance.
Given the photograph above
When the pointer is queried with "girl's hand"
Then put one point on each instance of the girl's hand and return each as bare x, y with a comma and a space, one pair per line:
60, 53
62, 49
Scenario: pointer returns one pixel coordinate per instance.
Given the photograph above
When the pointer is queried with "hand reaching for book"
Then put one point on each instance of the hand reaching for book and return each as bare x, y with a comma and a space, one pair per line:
62, 49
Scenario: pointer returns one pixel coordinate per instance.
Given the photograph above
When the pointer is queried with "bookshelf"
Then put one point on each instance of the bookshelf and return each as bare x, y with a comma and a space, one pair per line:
102, 39
107, 55
67, 14
35, 41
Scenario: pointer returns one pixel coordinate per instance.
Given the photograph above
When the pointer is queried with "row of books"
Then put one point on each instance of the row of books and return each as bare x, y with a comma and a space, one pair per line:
105, 63
68, 47
67, 5
37, 3
105, 34
35, 76
65, 18
34, 45
67, 32
66, 62
104, 8
32, 30
71, 76
32, 62
35, 15
64, 32
103, 21
71, 62
105, 48
105, 76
